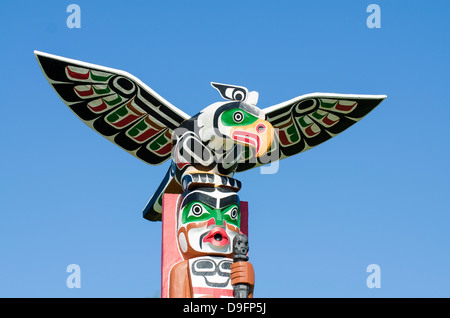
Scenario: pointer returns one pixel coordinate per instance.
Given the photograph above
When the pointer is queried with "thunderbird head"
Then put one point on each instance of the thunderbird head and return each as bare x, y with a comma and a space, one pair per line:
224, 123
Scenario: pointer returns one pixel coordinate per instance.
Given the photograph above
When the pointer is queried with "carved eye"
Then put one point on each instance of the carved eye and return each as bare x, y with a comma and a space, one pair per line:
234, 213
238, 116
197, 209
238, 94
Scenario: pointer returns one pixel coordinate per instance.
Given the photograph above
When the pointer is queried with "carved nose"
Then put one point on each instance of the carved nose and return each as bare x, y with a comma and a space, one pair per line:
260, 128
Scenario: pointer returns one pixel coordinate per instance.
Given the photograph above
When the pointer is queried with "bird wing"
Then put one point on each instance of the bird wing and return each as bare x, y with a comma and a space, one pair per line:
308, 120
115, 104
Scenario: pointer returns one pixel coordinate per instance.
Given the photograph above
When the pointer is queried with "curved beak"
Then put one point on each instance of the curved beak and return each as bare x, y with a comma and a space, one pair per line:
258, 135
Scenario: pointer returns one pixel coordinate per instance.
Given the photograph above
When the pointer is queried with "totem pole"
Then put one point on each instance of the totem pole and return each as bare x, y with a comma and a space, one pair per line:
204, 232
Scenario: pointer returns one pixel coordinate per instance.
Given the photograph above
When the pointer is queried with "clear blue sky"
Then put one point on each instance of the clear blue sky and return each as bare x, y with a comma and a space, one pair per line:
376, 194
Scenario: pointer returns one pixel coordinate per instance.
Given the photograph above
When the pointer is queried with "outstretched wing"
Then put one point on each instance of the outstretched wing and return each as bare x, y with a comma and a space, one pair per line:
115, 104
309, 120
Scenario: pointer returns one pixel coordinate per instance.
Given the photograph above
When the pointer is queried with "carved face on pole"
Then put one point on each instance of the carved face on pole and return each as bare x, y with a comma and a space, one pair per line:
208, 221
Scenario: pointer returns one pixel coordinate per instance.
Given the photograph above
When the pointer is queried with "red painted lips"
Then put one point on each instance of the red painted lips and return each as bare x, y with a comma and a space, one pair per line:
217, 236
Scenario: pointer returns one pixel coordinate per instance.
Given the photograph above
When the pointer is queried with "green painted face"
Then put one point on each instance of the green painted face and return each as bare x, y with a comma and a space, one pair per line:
237, 117
197, 211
